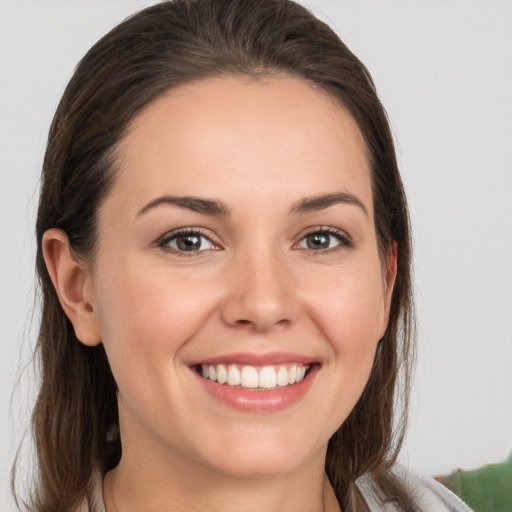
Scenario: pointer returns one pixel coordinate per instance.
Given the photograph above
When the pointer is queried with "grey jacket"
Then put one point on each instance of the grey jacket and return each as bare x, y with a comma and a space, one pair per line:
429, 495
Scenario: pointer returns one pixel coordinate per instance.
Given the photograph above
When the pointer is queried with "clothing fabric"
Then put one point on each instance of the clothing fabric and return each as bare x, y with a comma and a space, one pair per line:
429, 495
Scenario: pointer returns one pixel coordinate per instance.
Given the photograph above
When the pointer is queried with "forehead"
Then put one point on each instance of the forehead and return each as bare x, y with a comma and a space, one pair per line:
270, 134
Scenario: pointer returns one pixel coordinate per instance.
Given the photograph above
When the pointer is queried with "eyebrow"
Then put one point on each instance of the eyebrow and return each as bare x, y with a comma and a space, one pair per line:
323, 201
196, 204
218, 208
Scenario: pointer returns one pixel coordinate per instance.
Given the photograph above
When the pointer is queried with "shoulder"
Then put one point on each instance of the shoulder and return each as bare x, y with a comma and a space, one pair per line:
428, 494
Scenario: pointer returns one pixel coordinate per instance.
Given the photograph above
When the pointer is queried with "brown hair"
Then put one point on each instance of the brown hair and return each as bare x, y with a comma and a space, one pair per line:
163, 46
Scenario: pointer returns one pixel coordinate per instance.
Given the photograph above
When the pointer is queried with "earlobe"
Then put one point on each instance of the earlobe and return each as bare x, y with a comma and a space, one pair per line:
72, 282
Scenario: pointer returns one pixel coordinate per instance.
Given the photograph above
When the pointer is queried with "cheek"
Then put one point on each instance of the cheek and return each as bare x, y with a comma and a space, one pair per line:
349, 309
146, 316
349, 313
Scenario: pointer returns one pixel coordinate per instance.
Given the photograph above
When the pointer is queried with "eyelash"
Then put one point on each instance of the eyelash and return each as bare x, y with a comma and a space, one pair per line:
344, 241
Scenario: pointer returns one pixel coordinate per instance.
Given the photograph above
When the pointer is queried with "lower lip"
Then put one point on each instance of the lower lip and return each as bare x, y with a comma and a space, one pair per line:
260, 401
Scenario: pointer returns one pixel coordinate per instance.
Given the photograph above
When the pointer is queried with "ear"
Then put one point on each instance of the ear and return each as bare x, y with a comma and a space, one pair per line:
72, 281
389, 277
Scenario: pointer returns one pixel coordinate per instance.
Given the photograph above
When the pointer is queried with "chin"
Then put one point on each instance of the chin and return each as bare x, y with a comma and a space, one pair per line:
262, 458
257, 467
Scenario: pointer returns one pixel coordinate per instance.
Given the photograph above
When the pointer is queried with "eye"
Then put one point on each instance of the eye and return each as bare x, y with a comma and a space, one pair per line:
325, 240
187, 241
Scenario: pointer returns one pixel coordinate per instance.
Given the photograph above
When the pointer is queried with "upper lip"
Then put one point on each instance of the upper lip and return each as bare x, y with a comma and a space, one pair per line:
251, 359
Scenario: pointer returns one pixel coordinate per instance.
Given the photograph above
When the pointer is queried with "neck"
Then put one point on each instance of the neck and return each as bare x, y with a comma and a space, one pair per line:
144, 484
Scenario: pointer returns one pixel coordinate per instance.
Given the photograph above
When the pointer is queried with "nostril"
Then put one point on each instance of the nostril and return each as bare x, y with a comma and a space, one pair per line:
261, 325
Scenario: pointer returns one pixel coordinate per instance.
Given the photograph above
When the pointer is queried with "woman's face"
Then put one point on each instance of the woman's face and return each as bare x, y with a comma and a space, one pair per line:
238, 243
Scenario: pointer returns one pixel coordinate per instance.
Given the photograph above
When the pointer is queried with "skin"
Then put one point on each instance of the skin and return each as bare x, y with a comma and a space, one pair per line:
260, 147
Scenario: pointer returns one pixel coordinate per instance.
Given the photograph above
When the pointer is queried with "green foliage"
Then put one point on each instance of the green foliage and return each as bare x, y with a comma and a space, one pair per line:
487, 489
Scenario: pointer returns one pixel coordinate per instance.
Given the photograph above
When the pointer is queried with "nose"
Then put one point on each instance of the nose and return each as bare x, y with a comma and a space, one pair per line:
261, 293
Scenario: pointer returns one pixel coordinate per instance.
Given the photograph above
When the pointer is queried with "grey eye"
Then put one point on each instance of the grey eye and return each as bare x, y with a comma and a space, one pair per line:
320, 240
189, 242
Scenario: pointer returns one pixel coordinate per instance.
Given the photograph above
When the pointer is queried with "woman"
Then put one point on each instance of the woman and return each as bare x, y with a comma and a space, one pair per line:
223, 249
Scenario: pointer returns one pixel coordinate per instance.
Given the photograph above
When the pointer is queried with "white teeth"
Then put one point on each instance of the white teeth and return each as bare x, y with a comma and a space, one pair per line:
222, 374
233, 375
249, 377
266, 377
282, 377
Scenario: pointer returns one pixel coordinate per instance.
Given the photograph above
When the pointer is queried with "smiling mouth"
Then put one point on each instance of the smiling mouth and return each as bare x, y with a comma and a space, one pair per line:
254, 378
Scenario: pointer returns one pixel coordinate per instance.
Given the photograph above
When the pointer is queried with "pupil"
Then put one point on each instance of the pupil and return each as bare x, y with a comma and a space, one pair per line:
318, 241
189, 242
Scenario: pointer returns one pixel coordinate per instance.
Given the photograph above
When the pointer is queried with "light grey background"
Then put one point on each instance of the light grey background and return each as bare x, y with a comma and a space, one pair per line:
444, 71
